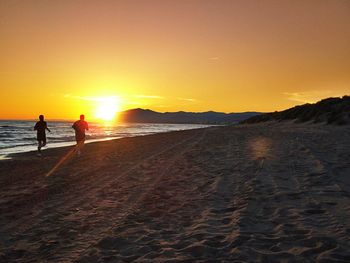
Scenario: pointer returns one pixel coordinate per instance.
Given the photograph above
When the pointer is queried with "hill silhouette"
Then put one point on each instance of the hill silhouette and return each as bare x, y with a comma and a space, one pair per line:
330, 111
209, 117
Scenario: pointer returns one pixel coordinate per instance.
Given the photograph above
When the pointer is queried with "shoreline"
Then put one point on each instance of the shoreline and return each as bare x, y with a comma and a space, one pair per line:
72, 144
51, 146
8, 153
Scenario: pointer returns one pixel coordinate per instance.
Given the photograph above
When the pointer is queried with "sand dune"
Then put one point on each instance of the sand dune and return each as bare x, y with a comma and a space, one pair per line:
258, 193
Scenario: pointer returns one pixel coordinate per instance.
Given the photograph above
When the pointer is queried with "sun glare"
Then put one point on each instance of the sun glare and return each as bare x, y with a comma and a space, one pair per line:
107, 108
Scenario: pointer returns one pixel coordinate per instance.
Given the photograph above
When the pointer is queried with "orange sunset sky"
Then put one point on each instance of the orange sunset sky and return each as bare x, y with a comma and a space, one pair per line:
63, 58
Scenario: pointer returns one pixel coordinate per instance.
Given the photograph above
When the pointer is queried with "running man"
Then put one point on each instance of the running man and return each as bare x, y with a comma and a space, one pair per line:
80, 126
40, 128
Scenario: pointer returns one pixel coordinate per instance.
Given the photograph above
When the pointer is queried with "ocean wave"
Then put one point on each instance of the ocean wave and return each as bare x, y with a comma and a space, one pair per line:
19, 136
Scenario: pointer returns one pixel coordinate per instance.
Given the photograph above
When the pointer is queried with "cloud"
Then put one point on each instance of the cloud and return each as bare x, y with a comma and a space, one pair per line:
149, 97
99, 99
311, 96
187, 99
135, 103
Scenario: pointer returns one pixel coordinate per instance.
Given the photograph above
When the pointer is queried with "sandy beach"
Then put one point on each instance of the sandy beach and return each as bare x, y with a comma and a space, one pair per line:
267, 192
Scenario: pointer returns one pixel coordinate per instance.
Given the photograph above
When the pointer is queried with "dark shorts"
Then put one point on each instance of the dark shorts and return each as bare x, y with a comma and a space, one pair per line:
41, 137
80, 137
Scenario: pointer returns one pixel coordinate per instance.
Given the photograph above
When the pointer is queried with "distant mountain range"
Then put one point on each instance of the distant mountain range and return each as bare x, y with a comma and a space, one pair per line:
209, 117
330, 111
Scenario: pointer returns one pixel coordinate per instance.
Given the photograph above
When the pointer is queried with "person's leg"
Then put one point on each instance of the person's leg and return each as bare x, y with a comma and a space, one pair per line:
78, 147
82, 143
44, 143
39, 147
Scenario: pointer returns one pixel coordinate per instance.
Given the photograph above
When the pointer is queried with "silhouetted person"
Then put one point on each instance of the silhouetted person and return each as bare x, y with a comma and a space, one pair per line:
40, 128
80, 127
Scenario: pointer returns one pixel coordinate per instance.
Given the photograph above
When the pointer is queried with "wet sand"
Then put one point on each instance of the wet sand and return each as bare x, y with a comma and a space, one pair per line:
257, 193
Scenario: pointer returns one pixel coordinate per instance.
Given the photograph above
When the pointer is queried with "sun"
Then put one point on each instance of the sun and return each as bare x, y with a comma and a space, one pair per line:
107, 108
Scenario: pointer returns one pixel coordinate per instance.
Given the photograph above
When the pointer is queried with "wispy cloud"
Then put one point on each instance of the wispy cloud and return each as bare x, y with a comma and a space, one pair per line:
135, 103
311, 96
99, 99
187, 99
148, 97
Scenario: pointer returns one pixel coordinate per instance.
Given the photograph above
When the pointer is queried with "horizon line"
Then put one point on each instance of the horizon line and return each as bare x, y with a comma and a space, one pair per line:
96, 119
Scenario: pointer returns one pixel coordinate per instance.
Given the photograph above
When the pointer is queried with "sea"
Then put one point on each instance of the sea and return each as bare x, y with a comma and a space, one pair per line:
19, 136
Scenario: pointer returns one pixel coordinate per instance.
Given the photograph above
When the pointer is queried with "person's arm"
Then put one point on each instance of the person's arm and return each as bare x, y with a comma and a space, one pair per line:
87, 126
47, 127
36, 126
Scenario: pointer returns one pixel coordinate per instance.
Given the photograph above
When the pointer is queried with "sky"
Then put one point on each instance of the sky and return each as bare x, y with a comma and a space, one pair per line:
63, 58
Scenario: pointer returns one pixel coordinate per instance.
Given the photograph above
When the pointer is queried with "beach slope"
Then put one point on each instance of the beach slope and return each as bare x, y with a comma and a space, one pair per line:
267, 192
